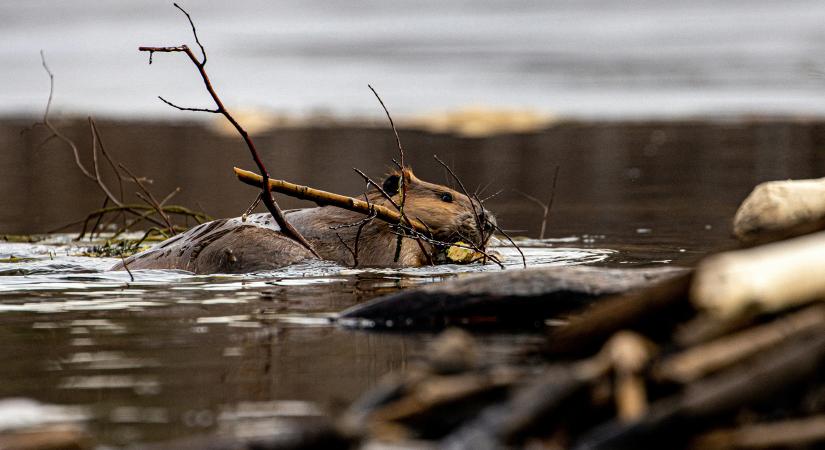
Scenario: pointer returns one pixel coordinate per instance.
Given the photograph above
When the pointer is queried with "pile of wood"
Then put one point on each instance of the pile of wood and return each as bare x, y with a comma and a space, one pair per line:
730, 355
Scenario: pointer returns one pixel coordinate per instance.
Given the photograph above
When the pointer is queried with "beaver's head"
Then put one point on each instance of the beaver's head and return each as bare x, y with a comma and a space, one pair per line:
450, 215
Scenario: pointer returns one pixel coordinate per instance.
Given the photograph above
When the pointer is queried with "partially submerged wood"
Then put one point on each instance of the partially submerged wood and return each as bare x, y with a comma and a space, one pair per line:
780, 209
767, 278
499, 298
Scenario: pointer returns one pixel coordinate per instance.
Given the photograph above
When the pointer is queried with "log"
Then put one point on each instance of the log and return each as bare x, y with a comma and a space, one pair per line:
654, 309
781, 209
696, 362
518, 297
772, 375
795, 433
323, 198
764, 279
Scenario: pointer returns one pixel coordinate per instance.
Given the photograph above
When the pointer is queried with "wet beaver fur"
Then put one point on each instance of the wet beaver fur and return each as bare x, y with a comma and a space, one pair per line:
256, 244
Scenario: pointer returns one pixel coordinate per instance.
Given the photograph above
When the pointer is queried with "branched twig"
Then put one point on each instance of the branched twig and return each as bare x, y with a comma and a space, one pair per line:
403, 179
398, 208
267, 198
523, 259
126, 266
120, 207
360, 224
546, 207
476, 216
252, 206
411, 233
55, 132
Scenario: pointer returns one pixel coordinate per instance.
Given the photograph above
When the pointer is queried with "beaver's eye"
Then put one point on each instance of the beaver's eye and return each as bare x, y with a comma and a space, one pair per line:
447, 197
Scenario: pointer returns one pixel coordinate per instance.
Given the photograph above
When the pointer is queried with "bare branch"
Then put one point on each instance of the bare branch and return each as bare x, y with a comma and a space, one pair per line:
267, 198
184, 108
194, 33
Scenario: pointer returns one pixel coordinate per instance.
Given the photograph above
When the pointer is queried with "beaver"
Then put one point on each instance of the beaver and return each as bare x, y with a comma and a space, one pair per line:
255, 243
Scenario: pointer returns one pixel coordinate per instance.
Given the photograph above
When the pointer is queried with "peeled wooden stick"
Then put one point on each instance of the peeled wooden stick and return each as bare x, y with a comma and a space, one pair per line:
329, 198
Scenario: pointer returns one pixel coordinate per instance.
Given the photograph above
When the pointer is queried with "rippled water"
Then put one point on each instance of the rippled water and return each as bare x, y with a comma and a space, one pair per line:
171, 354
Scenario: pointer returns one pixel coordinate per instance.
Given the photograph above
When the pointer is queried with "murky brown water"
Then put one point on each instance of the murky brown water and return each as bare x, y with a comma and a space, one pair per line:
172, 354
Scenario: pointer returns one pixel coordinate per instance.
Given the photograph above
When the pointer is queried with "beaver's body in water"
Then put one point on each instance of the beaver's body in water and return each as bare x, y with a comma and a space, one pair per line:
256, 244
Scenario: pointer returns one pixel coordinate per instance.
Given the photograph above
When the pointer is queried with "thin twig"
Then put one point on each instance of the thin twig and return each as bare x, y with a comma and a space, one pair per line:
478, 220
47, 122
397, 207
267, 198
126, 266
523, 258
403, 179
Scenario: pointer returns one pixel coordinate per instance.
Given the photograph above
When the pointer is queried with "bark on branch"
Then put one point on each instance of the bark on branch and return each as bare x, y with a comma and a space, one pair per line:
329, 198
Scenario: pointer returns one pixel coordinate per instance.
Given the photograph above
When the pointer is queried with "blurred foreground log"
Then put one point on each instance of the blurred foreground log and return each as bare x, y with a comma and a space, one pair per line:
781, 209
767, 278
515, 297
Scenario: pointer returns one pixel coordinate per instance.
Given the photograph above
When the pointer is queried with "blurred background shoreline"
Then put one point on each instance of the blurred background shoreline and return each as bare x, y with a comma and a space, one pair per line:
573, 59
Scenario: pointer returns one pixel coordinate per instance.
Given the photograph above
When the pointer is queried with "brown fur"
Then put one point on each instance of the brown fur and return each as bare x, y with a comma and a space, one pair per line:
233, 246
449, 222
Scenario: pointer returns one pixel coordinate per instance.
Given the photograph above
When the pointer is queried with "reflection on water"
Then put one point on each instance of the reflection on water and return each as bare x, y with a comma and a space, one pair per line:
172, 353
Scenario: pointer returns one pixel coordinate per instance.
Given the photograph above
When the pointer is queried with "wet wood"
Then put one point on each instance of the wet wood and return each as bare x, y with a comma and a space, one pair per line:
671, 419
767, 278
502, 298
696, 362
654, 309
781, 209
796, 433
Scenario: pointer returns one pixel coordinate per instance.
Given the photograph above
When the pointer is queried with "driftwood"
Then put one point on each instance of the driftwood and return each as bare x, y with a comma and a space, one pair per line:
501, 298
773, 374
655, 310
200, 64
694, 363
795, 433
781, 209
767, 278
323, 198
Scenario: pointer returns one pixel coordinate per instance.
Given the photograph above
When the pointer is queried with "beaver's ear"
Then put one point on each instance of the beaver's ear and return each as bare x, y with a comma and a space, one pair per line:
391, 184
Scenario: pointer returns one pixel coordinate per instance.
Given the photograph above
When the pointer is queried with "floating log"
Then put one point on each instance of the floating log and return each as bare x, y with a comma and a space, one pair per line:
518, 297
781, 209
765, 279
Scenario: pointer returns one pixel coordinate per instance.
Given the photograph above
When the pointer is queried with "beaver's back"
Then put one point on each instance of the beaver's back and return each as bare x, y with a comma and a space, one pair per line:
223, 246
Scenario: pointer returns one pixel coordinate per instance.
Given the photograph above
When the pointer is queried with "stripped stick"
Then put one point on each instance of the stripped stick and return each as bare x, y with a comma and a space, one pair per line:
329, 198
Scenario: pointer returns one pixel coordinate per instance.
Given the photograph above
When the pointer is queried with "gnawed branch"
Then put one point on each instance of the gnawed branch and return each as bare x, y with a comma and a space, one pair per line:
267, 198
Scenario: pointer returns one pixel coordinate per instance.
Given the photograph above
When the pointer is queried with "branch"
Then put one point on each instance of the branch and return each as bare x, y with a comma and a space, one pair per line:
328, 198
403, 179
267, 198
